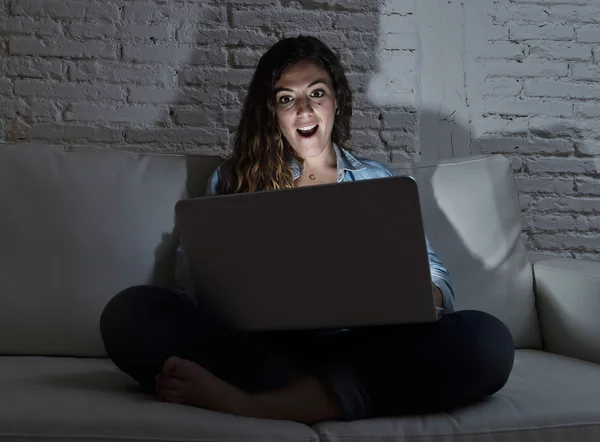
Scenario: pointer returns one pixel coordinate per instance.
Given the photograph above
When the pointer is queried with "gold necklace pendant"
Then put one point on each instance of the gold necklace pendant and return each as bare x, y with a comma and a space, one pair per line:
312, 176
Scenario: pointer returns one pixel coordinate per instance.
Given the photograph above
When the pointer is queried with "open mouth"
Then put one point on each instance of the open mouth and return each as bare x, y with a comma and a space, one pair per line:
308, 131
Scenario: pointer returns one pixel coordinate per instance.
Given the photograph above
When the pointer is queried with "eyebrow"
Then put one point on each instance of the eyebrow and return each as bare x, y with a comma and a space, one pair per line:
317, 81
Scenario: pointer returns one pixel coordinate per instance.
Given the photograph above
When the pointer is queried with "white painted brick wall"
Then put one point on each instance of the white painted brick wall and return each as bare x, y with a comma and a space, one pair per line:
534, 95
171, 76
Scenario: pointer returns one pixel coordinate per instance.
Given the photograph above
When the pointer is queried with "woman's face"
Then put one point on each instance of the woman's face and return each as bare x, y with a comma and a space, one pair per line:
305, 104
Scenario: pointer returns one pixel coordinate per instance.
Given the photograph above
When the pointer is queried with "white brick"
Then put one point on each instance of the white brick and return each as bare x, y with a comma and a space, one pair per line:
561, 51
63, 48
366, 22
583, 241
397, 139
567, 13
291, 18
192, 34
527, 68
28, 26
523, 145
589, 110
28, 67
407, 41
205, 116
524, 202
246, 57
365, 120
587, 223
179, 136
397, 24
38, 110
527, 107
366, 139
546, 88
586, 72
501, 87
588, 185
149, 94
588, 34
543, 32
588, 147
69, 90
69, 133
526, 13
564, 165
401, 7
142, 12
552, 222
568, 204
501, 49
164, 54
399, 119
119, 73
359, 61
121, 113
500, 125
6, 87
66, 9
215, 77
544, 184
128, 32
552, 2
9, 106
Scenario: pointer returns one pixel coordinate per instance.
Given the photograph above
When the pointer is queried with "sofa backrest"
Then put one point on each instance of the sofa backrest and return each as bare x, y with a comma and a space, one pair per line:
473, 220
76, 228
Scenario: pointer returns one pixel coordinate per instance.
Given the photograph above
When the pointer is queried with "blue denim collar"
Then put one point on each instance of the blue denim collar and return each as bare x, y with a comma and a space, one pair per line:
345, 161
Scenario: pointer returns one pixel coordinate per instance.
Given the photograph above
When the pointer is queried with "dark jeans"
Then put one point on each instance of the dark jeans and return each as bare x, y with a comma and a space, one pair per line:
376, 371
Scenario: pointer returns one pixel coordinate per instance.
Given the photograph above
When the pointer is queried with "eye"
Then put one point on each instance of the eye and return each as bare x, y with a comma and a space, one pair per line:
318, 93
284, 99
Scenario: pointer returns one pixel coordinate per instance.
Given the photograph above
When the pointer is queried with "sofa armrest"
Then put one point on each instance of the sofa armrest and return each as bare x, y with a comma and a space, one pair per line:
568, 303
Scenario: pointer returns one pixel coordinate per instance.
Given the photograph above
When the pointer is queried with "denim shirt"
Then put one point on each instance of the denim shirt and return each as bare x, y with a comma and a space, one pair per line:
349, 168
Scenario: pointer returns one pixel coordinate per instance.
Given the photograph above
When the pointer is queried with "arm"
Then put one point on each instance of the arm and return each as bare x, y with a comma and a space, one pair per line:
440, 277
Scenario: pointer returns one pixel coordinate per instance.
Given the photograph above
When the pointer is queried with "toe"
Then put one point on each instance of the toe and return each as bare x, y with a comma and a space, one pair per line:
171, 364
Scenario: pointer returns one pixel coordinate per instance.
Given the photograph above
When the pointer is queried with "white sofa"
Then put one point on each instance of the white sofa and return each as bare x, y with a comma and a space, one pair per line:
78, 226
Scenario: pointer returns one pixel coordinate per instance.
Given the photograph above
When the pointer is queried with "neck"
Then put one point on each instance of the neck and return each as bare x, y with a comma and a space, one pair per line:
325, 160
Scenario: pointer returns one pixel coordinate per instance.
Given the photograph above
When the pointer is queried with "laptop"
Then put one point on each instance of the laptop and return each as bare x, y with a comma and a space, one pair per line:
321, 257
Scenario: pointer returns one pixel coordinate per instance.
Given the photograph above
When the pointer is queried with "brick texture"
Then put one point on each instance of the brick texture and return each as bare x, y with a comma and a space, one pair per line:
171, 76
541, 108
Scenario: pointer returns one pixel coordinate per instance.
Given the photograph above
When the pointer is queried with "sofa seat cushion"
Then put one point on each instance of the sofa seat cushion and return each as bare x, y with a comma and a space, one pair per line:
548, 398
69, 399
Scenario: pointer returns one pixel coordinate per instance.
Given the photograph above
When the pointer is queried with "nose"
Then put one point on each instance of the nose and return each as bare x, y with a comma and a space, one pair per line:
303, 106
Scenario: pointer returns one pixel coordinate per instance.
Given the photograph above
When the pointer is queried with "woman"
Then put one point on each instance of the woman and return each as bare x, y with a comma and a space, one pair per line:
295, 120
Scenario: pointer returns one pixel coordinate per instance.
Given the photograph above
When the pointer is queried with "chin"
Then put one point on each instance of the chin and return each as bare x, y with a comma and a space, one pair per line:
306, 150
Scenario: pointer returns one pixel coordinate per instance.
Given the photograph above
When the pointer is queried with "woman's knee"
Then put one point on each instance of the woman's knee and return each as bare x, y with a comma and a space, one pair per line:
137, 309
487, 350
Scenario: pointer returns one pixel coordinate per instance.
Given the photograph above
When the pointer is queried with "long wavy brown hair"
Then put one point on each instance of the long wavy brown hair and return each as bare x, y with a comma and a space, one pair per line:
261, 155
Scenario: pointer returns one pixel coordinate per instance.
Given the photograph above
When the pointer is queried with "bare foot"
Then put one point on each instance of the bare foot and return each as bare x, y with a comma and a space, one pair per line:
185, 382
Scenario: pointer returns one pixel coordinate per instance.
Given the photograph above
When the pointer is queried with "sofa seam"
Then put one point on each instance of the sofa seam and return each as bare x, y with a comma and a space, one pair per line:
326, 438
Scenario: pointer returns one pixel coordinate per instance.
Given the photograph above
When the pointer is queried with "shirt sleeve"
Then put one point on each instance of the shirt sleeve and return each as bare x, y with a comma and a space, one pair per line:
440, 276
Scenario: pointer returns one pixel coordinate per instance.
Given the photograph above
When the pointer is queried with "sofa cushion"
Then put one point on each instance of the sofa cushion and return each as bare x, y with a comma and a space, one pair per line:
473, 219
76, 228
548, 398
60, 399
